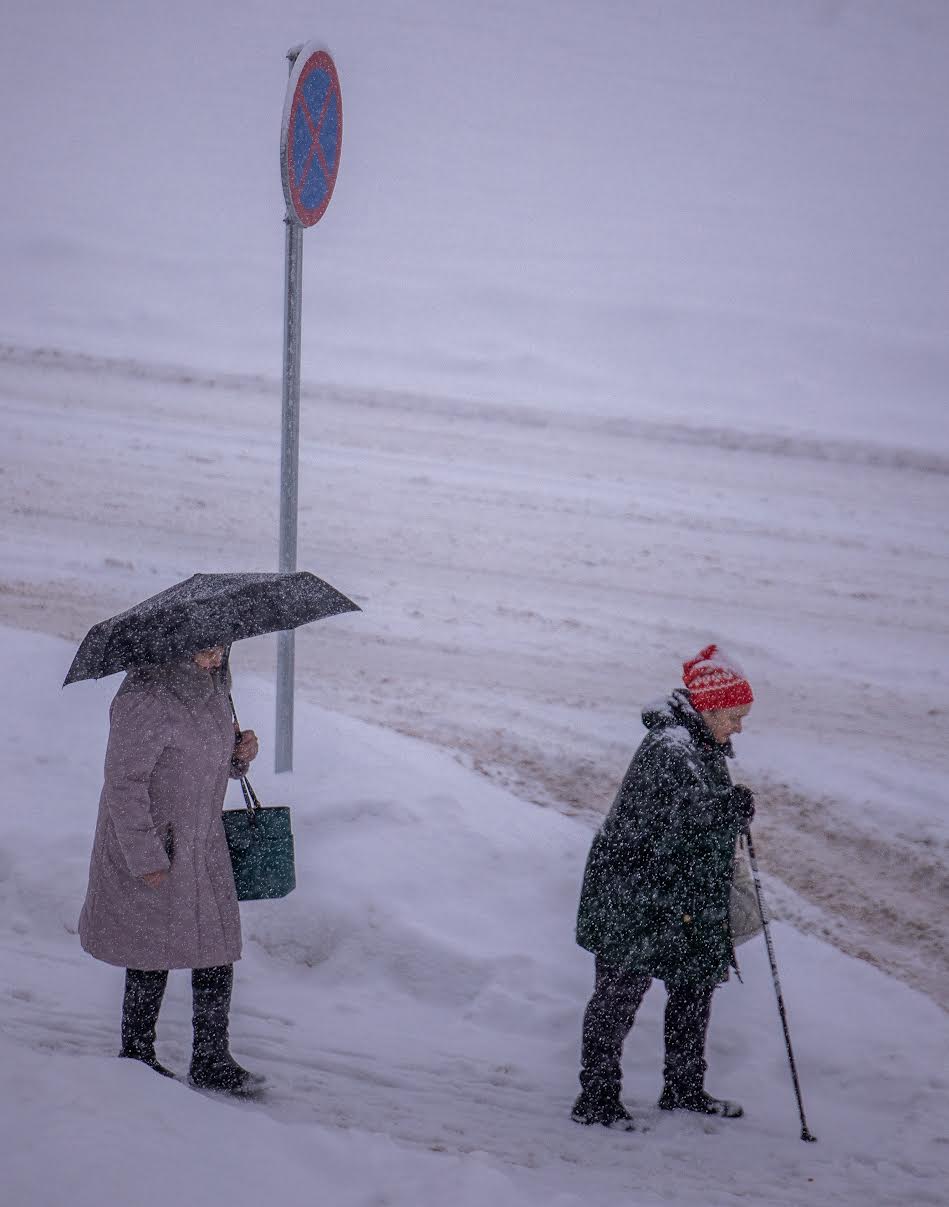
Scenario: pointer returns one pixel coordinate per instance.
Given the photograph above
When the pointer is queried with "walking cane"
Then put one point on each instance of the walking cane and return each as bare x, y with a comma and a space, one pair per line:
805, 1133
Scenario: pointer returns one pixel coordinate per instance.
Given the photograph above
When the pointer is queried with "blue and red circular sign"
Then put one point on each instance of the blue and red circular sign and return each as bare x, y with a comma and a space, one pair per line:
311, 137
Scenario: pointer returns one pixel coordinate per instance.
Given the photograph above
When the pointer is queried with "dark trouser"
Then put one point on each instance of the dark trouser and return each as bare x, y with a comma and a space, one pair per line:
144, 990
610, 1014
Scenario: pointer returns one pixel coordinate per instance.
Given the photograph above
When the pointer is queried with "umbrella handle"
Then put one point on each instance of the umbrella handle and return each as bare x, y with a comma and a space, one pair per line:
237, 727
250, 796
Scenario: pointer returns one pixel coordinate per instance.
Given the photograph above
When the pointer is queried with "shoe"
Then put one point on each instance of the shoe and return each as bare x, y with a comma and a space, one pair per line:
700, 1102
147, 1057
608, 1112
224, 1074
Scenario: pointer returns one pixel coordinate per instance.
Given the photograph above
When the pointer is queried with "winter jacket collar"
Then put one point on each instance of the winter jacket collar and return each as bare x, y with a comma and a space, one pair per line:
677, 710
185, 680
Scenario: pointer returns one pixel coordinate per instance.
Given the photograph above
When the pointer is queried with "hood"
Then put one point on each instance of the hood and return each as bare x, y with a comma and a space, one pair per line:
677, 711
183, 679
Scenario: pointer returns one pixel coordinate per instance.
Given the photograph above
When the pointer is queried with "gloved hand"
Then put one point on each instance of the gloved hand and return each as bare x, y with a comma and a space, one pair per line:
743, 801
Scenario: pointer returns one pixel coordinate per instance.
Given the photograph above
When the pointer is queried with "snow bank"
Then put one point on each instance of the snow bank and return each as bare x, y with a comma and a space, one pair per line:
415, 1005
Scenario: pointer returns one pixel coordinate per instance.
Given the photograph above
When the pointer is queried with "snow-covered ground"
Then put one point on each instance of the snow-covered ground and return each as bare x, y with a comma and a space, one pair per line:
625, 331
416, 1006
529, 582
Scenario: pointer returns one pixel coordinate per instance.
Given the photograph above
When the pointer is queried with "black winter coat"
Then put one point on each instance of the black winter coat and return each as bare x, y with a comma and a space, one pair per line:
658, 877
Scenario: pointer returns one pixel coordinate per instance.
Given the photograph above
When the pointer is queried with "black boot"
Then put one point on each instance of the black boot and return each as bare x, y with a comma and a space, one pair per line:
603, 1107
212, 1065
606, 1023
140, 1006
686, 1025
673, 1099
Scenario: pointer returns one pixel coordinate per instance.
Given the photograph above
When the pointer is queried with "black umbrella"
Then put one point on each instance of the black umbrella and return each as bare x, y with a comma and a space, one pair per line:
203, 611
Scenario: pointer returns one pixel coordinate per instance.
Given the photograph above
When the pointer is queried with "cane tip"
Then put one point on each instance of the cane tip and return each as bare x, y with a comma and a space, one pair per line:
806, 1135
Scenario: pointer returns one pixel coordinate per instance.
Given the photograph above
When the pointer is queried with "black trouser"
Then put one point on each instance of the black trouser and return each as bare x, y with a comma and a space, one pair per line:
610, 1014
144, 990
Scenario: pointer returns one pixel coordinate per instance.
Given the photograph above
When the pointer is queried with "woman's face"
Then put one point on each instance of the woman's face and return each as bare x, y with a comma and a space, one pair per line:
723, 722
210, 660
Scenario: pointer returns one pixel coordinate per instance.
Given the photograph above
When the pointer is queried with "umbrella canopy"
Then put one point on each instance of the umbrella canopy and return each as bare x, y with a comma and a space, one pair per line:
203, 611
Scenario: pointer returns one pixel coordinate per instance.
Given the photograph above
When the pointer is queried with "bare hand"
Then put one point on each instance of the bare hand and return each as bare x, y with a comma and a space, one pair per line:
245, 749
154, 879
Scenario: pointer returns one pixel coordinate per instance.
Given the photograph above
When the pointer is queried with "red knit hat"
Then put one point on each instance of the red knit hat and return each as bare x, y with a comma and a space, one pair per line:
715, 681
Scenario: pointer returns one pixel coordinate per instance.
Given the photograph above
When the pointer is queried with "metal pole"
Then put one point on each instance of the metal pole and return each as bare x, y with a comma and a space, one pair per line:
289, 470
289, 473
805, 1133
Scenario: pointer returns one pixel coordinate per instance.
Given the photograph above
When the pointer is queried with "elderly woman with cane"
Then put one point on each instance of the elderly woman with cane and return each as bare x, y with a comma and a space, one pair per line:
655, 896
161, 888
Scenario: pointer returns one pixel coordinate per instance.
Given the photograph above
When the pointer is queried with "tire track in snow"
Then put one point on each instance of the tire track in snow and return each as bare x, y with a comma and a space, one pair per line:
763, 442
487, 608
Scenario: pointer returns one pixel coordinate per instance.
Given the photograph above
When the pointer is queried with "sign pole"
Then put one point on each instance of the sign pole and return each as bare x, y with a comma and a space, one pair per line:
289, 479
310, 142
289, 471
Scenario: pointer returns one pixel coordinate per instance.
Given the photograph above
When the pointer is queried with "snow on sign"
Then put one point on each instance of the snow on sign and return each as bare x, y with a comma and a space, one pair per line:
311, 136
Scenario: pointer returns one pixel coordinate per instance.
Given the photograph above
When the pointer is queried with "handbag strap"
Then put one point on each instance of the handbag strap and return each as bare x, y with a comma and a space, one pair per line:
250, 796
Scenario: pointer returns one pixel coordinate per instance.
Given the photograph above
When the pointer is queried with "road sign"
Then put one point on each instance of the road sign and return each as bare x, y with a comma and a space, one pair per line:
311, 136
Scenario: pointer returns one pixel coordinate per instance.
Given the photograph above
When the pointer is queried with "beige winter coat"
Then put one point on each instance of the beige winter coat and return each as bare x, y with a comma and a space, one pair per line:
166, 771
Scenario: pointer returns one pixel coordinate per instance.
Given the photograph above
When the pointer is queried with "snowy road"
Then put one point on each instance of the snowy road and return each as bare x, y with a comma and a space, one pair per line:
529, 579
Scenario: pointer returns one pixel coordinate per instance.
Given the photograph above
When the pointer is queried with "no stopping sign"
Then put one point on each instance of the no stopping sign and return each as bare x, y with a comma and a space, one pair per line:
311, 136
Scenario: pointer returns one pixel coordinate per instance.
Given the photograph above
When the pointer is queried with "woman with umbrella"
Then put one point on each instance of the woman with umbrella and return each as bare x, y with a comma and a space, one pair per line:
161, 889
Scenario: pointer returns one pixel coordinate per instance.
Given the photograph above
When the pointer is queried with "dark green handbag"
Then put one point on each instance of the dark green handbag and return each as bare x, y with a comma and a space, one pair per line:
260, 842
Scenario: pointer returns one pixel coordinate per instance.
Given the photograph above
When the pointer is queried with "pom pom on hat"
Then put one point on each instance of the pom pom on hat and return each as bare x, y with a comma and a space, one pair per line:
715, 681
